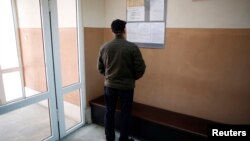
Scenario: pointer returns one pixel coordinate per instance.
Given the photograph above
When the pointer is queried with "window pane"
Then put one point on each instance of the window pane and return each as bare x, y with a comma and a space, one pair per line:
29, 77
12, 86
72, 110
68, 41
8, 47
31, 45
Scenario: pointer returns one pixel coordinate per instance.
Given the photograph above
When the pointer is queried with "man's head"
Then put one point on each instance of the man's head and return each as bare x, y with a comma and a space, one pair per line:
118, 26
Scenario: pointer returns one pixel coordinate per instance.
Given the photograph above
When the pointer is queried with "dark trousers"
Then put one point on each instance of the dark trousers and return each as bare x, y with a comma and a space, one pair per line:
126, 98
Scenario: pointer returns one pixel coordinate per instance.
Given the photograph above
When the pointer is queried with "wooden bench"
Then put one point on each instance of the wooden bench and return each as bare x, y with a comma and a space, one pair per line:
154, 124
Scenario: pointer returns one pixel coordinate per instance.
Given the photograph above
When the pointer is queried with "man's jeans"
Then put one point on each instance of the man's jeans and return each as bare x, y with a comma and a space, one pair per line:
126, 98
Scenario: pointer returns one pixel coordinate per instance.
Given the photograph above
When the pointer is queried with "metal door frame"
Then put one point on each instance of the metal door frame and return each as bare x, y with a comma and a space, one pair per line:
55, 92
61, 91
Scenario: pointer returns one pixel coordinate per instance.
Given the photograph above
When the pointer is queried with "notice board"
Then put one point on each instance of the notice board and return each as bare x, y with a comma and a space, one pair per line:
146, 22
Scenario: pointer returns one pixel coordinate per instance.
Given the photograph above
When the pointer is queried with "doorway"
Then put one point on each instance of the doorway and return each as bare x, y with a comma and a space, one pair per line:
42, 93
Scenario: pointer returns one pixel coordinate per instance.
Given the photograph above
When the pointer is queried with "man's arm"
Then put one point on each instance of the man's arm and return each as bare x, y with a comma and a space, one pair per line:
139, 64
100, 64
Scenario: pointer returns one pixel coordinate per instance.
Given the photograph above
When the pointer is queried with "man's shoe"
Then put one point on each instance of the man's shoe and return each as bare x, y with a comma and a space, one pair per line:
131, 139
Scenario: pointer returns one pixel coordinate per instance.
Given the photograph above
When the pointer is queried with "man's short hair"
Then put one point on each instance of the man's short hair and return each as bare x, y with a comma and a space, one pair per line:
118, 26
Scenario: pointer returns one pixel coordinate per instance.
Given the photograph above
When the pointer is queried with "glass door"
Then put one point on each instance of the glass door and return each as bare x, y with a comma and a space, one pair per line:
42, 88
27, 91
68, 52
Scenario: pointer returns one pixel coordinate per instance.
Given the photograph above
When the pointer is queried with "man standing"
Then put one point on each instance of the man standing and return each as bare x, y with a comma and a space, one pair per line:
121, 63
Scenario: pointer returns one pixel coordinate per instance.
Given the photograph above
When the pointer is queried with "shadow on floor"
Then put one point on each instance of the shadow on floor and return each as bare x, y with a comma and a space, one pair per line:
91, 132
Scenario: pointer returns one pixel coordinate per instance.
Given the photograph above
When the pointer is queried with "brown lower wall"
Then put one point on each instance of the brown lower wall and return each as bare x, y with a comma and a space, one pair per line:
94, 81
200, 72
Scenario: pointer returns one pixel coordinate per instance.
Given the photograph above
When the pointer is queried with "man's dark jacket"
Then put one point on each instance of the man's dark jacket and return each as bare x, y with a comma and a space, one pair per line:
121, 63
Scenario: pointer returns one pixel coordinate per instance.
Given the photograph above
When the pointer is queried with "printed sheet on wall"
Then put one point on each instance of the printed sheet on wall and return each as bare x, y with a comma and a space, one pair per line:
146, 22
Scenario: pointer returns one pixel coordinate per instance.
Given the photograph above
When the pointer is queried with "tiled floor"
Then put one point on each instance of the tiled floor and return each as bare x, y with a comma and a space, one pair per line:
91, 132
31, 123
26, 124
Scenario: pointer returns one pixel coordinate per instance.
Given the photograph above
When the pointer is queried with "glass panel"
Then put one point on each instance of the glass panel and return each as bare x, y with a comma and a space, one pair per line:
68, 41
21, 42
31, 123
12, 86
8, 47
31, 46
72, 110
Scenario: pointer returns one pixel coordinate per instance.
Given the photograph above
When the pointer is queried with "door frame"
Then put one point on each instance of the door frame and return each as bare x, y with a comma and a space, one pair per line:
61, 91
55, 92
50, 94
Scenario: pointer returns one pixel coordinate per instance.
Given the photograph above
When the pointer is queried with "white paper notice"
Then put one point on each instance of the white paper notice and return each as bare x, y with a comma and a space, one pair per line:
156, 10
132, 30
136, 13
157, 32
146, 32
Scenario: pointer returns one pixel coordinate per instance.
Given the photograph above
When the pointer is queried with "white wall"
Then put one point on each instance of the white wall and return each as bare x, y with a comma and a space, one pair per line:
208, 13
180, 13
114, 9
93, 12
66, 13
28, 13
193, 13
